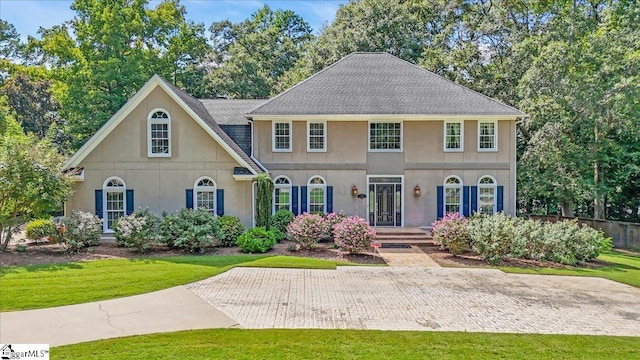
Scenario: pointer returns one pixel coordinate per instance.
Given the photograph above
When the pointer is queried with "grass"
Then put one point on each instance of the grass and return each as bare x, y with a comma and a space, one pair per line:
624, 268
43, 286
351, 344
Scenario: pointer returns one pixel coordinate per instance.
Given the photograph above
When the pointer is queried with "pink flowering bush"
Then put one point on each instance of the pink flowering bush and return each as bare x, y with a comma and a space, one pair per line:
451, 233
353, 234
306, 230
334, 219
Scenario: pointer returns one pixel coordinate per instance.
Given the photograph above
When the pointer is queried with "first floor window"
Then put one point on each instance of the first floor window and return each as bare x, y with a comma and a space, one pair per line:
204, 193
282, 194
487, 195
159, 136
114, 191
453, 195
282, 136
487, 136
453, 136
317, 195
385, 136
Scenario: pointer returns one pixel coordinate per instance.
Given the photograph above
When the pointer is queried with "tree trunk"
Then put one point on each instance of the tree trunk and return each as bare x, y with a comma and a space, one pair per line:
598, 198
567, 208
5, 237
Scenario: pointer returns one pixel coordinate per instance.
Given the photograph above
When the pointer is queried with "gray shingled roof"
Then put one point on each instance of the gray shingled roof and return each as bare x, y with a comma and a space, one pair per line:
201, 111
380, 83
230, 112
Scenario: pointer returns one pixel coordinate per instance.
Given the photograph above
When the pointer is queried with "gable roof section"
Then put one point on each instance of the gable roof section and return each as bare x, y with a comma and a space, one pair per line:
189, 104
230, 111
380, 83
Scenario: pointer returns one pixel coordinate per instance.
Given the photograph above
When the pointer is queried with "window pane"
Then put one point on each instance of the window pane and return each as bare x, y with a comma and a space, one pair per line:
385, 136
206, 199
453, 136
282, 136
487, 136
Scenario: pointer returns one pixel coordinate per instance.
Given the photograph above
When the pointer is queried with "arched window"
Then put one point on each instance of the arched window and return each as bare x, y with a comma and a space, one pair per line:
114, 202
204, 194
453, 195
159, 133
487, 195
282, 194
317, 188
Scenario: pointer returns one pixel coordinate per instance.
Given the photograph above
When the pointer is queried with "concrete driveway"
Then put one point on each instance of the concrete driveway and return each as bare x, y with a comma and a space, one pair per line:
440, 299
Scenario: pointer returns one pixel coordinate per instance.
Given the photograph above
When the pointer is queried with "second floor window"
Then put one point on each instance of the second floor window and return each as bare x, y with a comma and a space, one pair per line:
385, 136
316, 136
487, 135
453, 135
282, 136
159, 134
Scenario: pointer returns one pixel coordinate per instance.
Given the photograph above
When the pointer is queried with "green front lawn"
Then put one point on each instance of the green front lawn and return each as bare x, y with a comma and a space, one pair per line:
624, 268
351, 344
43, 286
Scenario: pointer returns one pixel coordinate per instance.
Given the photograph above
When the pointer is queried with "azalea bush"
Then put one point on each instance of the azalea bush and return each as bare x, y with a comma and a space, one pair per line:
353, 234
334, 219
306, 230
494, 237
451, 233
256, 240
191, 230
232, 228
137, 231
279, 222
40, 229
79, 230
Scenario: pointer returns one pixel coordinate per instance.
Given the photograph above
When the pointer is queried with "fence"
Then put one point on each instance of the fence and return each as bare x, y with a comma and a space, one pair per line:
625, 235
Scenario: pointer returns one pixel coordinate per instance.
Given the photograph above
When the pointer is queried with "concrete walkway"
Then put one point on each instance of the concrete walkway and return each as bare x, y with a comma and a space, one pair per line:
385, 298
411, 257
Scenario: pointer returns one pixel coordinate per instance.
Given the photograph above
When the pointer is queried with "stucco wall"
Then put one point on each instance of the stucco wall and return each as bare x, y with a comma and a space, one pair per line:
160, 183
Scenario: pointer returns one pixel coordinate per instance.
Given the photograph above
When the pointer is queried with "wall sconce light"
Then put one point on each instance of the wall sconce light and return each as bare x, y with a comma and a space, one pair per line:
416, 191
354, 191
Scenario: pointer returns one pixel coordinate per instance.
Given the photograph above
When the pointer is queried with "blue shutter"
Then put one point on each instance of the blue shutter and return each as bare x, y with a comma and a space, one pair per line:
189, 195
329, 199
440, 195
500, 199
303, 199
129, 201
294, 200
220, 202
98, 204
465, 201
474, 199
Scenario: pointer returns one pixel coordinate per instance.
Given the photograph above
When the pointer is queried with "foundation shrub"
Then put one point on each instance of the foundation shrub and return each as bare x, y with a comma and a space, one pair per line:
137, 231
451, 233
332, 220
494, 237
79, 230
279, 221
231, 228
306, 230
256, 240
191, 230
353, 234
40, 229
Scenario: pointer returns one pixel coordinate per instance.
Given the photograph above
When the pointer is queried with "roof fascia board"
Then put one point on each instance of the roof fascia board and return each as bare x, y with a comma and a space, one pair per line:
367, 117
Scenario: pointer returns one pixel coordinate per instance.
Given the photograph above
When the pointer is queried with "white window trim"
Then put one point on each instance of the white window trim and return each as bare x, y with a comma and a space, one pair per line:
316, 186
495, 135
493, 186
158, 121
273, 135
324, 139
444, 138
105, 189
446, 186
382, 122
281, 186
213, 188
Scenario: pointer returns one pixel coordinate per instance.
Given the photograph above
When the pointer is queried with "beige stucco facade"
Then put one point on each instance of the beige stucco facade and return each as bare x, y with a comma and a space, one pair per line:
160, 183
422, 162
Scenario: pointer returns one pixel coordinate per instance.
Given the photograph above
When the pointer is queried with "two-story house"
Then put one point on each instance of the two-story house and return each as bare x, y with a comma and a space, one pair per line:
372, 135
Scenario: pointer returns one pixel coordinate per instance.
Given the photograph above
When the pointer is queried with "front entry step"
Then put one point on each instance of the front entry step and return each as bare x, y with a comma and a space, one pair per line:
408, 236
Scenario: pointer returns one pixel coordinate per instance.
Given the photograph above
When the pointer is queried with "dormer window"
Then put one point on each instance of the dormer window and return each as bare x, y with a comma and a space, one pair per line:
159, 134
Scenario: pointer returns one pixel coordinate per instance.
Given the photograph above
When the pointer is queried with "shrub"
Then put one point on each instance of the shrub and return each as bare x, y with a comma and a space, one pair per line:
191, 230
40, 228
137, 231
493, 237
280, 236
451, 233
306, 230
231, 227
574, 243
334, 219
280, 220
354, 235
80, 230
256, 240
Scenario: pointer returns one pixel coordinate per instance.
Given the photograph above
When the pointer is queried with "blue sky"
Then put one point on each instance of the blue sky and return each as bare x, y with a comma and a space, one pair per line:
28, 16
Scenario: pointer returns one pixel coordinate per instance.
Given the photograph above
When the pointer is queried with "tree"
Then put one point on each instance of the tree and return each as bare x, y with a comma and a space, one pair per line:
264, 198
31, 182
254, 54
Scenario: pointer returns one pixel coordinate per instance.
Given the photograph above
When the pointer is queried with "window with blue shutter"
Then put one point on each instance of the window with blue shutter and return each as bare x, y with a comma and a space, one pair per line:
329, 199
465, 201
98, 198
189, 198
129, 208
220, 202
303, 199
474, 199
500, 200
294, 200
440, 195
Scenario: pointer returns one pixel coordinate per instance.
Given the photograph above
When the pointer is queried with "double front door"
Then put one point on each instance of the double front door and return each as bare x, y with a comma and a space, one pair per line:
385, 201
